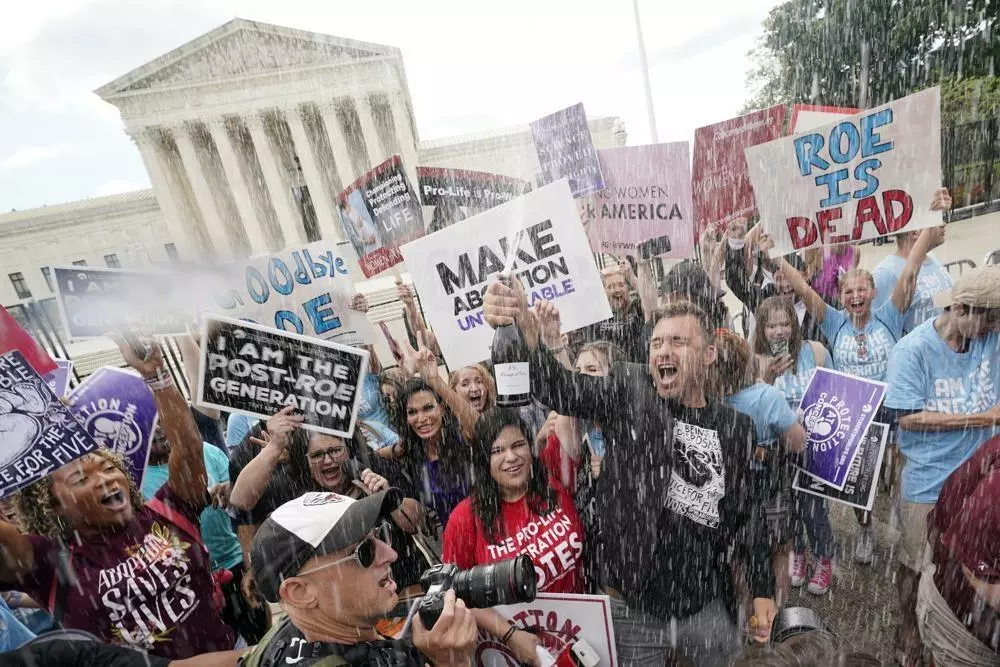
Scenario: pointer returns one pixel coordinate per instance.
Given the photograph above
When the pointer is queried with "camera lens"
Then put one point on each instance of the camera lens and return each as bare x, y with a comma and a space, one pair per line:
506, 582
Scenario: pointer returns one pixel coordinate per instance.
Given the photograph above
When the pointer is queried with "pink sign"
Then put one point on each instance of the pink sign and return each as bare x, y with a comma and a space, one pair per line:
645, 208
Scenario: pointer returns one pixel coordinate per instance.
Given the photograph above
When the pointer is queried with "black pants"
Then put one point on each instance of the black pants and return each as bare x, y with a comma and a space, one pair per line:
248, 622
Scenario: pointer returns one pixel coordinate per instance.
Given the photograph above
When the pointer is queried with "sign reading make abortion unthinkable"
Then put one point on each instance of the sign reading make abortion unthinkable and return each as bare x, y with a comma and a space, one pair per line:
37, 432
119, 412
380, 212
646, 196
452, 268
258, 371
304, 289
565, 149
94, 301
862, 478
475, 189
837, 410
866, 176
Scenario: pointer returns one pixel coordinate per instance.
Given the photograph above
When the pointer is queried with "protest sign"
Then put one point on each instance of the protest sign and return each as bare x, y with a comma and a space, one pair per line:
722, 189
557, 620
258, 371
304, 289
37, 432
862, 477
646, 195
475, 189
94, 301
14, 337
566, 150
810, 116
836, 410
119, 412
866, 176
58, 380
379, 212
452, 268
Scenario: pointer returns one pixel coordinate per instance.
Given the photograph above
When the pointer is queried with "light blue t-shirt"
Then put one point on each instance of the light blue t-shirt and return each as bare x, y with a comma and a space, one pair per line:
931, 279
768, 409
12, 632
794, 384
237, 427
927, 375
869, 358
373, 418
216, 528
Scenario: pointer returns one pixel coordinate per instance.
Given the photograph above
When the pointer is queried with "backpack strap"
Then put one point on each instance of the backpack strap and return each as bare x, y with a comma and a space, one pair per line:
164, 511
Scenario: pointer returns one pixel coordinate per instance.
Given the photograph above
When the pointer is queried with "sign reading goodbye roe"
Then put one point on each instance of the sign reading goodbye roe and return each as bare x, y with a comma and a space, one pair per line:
866, 176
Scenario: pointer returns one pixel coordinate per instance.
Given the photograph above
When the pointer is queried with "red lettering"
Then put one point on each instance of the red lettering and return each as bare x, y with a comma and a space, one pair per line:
897, 222
802, 231
823, 220
868, 211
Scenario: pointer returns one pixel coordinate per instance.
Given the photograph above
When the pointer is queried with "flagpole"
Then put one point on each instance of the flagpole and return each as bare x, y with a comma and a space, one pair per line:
644, 66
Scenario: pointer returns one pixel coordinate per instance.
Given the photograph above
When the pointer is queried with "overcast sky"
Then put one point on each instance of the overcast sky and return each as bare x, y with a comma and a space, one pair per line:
472, 65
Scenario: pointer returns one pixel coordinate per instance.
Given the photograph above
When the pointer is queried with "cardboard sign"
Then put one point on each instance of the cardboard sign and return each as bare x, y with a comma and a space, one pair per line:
837, 410
566, 150
475, 189
304, 289
452, 268
37, 432
722, 189
258, 371
862, 477
646, 195
810, 116
379, 212
558, 620
94, 301
866, 176
119, 412
58, 380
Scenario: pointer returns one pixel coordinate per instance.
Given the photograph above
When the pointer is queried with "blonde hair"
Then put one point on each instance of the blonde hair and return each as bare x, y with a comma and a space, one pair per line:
491, 386
854, 273
37, 508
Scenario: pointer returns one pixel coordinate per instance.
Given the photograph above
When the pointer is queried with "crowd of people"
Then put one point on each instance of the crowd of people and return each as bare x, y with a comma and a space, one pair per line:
653, 466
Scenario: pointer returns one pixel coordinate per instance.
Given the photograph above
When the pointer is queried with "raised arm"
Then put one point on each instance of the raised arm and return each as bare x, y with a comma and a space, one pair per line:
906, 286
249, 486
548, 319
191, 358
813, 301
427, 368
646, 287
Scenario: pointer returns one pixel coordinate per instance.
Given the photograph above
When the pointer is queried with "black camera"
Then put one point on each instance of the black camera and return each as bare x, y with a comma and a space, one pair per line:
654, 248
506, 582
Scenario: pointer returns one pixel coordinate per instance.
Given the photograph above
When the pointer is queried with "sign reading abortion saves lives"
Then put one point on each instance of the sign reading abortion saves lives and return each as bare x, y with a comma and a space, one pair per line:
258, 371
866, 176
452, 268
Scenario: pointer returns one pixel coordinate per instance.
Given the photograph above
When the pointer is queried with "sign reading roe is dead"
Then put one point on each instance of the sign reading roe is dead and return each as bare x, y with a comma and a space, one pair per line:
868, 175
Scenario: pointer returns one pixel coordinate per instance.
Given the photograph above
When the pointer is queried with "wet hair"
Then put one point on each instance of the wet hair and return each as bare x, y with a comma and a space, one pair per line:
298, 457
486, 496
682, 308
734, 365
453, 452
37, 507
393, 377
609, 352
854, 273
491, 385
762, 317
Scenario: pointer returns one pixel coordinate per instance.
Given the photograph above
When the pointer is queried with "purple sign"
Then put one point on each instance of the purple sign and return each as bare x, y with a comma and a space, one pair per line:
118, 410
37, 432
837, 410
58, 380
566, 150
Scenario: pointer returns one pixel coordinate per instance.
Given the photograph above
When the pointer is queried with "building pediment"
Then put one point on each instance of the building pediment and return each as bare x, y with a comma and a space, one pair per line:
241, 49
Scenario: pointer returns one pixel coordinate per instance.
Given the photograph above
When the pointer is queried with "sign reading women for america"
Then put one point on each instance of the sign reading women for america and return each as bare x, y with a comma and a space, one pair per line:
452, 268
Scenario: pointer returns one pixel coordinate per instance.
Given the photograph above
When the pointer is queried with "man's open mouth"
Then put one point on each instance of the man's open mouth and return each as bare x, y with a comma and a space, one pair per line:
667, 372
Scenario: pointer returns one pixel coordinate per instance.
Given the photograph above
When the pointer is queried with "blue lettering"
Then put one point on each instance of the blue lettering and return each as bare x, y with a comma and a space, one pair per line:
470, 321
807, 150
863, 172
869, 142
318, 270
548, 293
301, 274
283, 316
834, 197
322, 319
281, 288
838, 153
568, 287
256, 285
340, 267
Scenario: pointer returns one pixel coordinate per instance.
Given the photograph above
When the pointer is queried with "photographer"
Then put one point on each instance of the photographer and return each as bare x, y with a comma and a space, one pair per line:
321, 558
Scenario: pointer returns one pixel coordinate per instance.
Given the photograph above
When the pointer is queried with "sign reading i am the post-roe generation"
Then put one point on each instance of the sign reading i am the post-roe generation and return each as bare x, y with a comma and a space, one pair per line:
258, 371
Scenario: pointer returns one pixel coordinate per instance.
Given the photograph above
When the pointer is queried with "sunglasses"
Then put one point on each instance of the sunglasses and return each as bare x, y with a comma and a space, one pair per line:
333, 453
861, 339
364, 553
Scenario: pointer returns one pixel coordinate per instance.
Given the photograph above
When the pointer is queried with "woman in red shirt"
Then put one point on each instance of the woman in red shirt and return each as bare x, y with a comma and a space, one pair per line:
515, 508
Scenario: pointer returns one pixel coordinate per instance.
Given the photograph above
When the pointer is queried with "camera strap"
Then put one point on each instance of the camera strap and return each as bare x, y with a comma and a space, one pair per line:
381, 653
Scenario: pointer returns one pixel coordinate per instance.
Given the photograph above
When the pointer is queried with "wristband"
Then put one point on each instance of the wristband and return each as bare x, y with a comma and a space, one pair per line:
557, 349
509, 634
160, 381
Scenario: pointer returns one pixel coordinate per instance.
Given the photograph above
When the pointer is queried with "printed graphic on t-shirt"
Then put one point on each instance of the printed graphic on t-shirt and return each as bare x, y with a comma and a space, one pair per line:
865, 355
696, 490
151, 593
552, 542
929, 283
976, 392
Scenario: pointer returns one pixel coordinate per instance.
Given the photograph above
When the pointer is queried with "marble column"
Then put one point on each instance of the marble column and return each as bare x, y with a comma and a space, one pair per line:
203, 193
376, 151
338, 143
404, 134
289, 218
322, 199
147, 140
237, 184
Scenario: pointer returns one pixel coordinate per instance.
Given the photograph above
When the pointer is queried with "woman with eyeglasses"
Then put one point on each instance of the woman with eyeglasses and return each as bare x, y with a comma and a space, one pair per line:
515, 508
